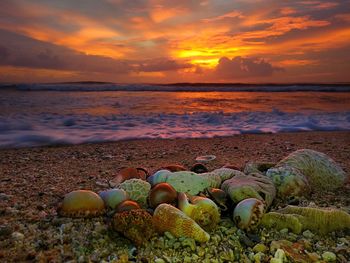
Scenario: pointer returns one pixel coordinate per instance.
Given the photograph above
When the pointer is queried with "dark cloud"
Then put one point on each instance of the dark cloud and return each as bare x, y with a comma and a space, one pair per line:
22, 51
240, 67
161, 64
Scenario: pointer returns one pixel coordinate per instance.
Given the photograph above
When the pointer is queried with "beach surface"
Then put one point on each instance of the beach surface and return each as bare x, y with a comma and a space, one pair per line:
33, 181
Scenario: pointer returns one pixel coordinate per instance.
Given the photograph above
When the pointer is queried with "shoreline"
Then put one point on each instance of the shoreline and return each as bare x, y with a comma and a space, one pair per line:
34, 180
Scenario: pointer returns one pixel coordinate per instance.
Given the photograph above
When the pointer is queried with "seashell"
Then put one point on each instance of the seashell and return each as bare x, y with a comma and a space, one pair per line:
188, 182
202, 210
217, 176
137, 190
290, 183
113, 197
129, 173
218, 196
199, 168
205, 158
318, 220
127, 205
254, 185
248, 213
81, 203
162, 193
160, 176
167, 218
321, 171
173, 168
136, 225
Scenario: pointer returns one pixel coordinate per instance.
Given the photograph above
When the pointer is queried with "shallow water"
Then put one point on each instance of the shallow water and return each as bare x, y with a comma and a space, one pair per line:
44, 117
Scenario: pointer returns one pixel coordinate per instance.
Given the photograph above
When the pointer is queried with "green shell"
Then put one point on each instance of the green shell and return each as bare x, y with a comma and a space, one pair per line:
289, 182
137, 190
322, 172
188, 182
297, 219
254, 185
217, 176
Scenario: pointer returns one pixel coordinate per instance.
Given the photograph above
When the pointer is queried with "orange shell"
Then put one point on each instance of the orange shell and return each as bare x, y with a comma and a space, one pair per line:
81, 203
168, 218
129, 173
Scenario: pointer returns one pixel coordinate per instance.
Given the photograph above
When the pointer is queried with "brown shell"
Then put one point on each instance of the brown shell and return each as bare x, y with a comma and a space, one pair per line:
127, 205
162, 193
81, 203
136, 225
129, 173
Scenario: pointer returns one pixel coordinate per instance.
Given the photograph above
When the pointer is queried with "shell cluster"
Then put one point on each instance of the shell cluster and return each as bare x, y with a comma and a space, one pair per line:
189, 204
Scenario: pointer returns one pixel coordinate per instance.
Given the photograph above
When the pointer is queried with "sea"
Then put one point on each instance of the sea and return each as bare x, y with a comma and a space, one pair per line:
90, 112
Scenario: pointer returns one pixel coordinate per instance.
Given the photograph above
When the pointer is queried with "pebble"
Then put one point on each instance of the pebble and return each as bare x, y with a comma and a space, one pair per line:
329, 256
259, 248
159, 260
169, 235
5, 231
308, 234
17, 236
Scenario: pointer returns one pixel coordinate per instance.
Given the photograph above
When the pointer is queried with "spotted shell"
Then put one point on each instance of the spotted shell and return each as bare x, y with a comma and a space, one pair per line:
81, 203
168, 218
136, 225
137, 190
248, 213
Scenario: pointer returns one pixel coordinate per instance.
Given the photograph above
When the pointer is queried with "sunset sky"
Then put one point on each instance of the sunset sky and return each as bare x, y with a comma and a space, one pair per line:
154, 41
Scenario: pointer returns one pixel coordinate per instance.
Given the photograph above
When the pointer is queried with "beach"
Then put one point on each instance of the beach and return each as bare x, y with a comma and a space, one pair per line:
34, 180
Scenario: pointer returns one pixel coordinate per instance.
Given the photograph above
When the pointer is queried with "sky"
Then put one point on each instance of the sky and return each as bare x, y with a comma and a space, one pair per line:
167, 41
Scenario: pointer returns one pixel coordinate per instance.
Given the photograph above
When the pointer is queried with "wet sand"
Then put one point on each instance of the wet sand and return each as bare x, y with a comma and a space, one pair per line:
34, 180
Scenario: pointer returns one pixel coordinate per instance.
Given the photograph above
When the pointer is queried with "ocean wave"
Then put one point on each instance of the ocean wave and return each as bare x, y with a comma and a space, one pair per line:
93, 87
26, 130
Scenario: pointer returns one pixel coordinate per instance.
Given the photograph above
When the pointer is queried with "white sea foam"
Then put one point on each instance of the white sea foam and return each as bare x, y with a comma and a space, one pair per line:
45, 128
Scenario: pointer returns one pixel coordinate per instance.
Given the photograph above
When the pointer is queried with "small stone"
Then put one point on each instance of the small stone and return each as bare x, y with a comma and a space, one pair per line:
308, 234
17, 236
189, 242
313, 256
169, 235
329, 256
284, 231
5, 231
159, 260
187, 259
259, 248
258, 257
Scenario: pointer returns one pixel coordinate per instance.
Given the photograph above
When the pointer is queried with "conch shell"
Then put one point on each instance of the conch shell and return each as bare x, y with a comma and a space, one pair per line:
202, 210
168, 218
